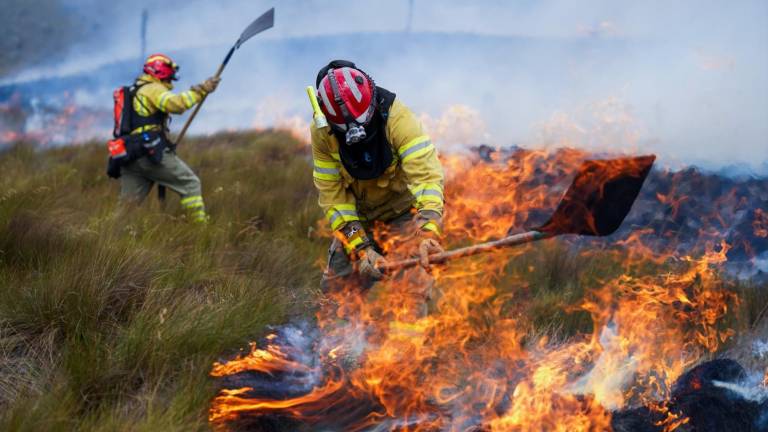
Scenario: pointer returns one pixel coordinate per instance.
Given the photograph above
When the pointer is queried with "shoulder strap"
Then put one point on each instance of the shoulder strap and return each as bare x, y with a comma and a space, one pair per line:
137, 121
134, 90
384, 101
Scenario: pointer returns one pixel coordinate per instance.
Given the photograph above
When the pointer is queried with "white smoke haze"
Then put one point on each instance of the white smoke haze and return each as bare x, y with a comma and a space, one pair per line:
752, 390
687, 80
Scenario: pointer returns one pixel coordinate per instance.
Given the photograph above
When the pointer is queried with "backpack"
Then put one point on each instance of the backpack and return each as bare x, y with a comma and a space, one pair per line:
122, 116
125, 147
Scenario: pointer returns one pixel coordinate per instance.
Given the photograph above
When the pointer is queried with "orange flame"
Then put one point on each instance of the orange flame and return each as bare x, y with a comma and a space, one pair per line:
477, 359
760, 224
58, 122
268, 360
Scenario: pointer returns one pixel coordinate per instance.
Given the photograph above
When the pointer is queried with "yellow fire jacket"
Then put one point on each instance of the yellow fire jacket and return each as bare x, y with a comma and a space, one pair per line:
156, 95
413, 180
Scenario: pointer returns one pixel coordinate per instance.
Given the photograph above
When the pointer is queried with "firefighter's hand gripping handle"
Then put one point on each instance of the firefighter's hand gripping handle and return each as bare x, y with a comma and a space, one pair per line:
441, 257
318, 116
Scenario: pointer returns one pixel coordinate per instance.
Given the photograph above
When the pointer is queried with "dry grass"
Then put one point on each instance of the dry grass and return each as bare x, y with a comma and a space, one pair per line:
110, 317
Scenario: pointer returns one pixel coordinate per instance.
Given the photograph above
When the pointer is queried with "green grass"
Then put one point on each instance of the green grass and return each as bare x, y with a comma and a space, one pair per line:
110, 317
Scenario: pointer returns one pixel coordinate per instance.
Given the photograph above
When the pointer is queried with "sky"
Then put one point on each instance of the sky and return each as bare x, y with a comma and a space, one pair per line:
685, 79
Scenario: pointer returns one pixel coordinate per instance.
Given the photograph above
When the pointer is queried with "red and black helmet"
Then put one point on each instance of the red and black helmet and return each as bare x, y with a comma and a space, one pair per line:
347, 95
161, 67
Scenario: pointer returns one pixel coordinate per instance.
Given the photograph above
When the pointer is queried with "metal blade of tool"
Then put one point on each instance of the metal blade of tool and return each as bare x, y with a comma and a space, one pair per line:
264, 22
600, 197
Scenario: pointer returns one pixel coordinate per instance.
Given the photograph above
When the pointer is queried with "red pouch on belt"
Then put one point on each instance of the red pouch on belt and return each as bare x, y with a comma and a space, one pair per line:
117, 148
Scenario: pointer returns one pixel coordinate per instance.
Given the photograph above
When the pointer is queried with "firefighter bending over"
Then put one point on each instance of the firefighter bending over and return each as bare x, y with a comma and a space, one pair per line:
374, 163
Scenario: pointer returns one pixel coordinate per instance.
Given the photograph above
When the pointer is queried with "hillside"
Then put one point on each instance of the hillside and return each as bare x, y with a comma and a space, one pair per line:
111, 318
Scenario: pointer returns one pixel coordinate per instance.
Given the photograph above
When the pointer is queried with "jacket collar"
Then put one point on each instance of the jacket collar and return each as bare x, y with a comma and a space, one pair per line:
146, 78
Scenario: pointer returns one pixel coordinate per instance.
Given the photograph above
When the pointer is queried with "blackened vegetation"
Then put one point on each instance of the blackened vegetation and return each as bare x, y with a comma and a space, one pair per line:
679, 212
713, 396
709, 407
335, 410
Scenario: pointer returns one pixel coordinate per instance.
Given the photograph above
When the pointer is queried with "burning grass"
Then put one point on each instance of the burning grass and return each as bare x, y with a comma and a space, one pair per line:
111, 318
496, 352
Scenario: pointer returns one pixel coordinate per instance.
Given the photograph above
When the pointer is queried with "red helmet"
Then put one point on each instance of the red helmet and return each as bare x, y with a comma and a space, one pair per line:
346, 96
161, 67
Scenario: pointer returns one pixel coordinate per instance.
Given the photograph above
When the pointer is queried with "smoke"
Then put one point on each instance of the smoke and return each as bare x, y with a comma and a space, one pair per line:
687, 80
34, 31
752, 391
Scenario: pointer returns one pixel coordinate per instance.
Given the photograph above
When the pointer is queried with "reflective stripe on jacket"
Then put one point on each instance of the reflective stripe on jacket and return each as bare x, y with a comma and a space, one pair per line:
414, 179
156, 95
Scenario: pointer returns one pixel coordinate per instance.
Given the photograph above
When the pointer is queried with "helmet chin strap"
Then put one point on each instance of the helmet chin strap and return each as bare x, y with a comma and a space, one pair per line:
355, 131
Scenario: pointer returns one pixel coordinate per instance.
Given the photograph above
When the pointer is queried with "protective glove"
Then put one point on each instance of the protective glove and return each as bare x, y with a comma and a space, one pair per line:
367, 264
429, 232
207, 86
428, 246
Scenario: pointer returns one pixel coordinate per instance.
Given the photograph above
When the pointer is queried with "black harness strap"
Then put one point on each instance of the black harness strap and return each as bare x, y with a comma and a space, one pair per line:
158, 118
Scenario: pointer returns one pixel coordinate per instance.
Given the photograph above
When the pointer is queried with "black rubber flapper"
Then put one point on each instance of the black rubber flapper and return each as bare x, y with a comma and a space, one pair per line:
600, 197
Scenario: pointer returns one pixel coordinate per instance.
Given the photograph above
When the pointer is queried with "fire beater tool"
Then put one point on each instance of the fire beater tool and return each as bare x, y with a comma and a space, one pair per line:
596, 203
264, 22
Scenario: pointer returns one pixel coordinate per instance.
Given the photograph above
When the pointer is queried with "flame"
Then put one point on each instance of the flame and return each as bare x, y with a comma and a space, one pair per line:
760, 223
271, 359
477, 361
230, 403
58, 121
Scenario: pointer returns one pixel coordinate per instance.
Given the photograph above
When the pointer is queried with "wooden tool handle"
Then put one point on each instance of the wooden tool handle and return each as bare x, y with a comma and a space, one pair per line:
197, 109
442, 257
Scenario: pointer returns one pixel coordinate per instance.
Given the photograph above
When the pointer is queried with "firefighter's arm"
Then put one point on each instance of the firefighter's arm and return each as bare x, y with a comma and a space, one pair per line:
170, 102
338, 203
419, 161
